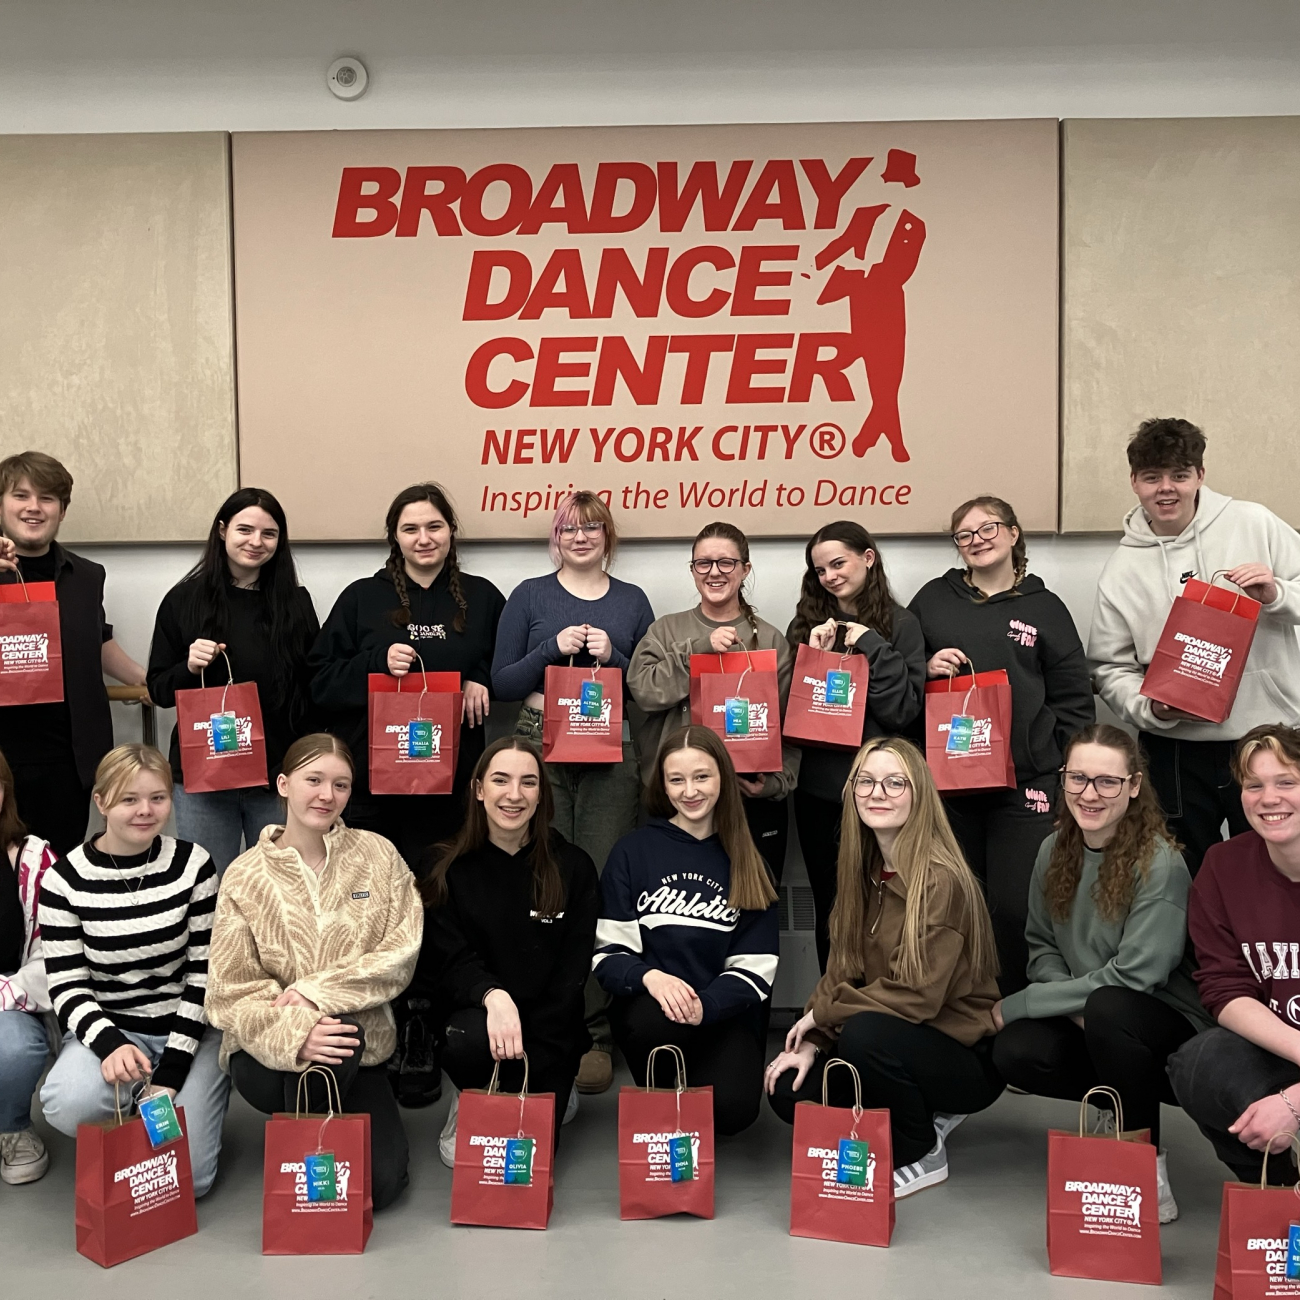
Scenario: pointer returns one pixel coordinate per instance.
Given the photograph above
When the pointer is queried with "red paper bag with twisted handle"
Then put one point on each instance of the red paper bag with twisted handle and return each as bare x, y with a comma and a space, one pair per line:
828, 699
737, 695
583, 717
842, 1174
31, 651
222, 741
414, 732
665, 1147
1254, 1232
968, 732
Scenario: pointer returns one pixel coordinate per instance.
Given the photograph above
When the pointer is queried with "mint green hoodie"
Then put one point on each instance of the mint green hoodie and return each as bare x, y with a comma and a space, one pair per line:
1143, 951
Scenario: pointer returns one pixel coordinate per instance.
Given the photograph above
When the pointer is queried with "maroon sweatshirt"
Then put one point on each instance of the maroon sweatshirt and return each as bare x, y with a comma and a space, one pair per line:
1244, 920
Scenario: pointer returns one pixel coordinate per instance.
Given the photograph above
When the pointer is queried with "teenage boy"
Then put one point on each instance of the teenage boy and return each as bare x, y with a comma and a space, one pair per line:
55, 748
1182, 529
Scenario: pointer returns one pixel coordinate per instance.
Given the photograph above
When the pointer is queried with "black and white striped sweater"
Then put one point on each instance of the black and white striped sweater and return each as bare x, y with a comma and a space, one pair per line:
125, 942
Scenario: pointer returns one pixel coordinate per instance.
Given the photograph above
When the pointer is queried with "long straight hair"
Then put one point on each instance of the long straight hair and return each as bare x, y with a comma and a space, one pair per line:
925, 856
725, 532
548, 886
395, 566
1128, 856
206, 592
875, 603
751, 889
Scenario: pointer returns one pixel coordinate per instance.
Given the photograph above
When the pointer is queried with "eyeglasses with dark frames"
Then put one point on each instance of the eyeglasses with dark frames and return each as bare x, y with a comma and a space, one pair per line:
1107, 787
893, 786
987, 530
705, 567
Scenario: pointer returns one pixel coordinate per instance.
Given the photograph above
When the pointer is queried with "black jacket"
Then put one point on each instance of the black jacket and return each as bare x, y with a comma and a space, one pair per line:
895, 690
486, 935
354, 643
285, 716
1030, 633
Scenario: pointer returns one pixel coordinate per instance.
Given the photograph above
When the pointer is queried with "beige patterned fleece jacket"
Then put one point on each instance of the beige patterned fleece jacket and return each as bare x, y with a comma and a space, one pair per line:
347, 940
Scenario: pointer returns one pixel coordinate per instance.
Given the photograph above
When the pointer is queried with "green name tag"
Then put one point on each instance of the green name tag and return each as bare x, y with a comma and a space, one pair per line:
519, 1161
737, 716
593, 696
837, 686
961, 731
852, 1167
682, 1156
160, 1123
419, 739
322, 1177
225, 735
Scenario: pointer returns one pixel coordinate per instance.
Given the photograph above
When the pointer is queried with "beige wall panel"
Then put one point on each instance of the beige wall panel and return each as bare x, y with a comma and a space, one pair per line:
116, 347
1181, 297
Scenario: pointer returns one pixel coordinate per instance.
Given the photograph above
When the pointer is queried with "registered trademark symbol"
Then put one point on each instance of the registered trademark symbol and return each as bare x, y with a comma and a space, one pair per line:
827, 441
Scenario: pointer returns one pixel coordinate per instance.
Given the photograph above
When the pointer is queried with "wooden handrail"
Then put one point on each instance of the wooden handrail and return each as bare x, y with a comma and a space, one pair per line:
128, 694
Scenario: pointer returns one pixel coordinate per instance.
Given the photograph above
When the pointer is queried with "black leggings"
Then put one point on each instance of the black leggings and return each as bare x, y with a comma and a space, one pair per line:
726, 1055
365, 1090
769, 824
1125, 1044
913, 1070
818, 821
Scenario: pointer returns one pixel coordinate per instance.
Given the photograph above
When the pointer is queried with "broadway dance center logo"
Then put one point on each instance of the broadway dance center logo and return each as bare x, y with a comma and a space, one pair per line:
832, 1188
153, 1183
24, 652
1202, 661
1108, 1209
301, 1205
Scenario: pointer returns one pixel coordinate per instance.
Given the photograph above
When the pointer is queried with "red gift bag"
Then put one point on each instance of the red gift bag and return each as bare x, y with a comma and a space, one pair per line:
859, 1209
431, 769
1254, 1225
583, 718
291, 1223
486, 1126
648, 1118
809, 718
205, 766
1102, 1205
977, 756
752, 734
131, 1198
31, 651
1201, 654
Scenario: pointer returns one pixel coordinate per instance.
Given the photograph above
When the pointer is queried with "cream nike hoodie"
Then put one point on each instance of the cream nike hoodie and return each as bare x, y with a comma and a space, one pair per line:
1137, 590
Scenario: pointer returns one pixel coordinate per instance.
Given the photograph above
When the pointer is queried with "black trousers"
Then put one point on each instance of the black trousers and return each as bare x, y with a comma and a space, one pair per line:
769, 824
818, 821
1193, 779
364, 1090
914, 1070
726, 1055
1215, 1076
1000, 832
413, 822
52, 801
1125, 1043
467, 1059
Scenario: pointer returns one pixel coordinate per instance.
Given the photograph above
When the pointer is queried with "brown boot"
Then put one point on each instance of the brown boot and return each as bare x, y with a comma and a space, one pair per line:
595, 1072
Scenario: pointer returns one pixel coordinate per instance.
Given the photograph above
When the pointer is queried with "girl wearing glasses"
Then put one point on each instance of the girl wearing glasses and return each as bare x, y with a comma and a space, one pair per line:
993, 614
579, 614
846, 604
1111, 993
909, 989
724, 620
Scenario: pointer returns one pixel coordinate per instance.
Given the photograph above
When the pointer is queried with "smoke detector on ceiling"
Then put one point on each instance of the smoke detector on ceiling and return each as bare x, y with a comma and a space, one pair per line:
347, 78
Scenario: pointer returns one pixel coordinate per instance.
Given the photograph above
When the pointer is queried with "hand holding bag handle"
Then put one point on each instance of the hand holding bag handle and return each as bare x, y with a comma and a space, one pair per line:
1235, 601
424, 689
1293, 1141
523, 1090
857, 1091
952, 676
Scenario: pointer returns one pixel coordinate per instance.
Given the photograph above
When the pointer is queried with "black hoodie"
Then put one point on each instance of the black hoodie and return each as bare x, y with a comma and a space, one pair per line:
1030, 633
354, 643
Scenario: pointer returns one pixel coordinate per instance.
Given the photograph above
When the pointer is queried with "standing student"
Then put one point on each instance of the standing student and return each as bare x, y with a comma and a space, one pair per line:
125, 922
24, 993
240, 604
54, 749
1240, 1080
508, 934
419, 606
1181, 529
579, 613
687, 939
994, 614
908, 993
318, 928
845, 604
723, 622
1111, 994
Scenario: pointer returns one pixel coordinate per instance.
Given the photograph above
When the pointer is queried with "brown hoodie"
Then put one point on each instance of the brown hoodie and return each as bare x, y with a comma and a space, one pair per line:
949, 998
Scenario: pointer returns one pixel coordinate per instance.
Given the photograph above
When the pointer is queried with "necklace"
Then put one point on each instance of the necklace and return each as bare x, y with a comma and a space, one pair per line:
140, 878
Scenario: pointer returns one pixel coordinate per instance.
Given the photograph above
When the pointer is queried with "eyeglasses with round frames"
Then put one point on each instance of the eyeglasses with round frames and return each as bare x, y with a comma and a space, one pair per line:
1107, 787
987, 530
705, 567
592, 529
893, 786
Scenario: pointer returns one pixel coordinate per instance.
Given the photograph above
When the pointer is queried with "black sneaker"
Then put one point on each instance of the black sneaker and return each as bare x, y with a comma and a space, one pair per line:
416, 1070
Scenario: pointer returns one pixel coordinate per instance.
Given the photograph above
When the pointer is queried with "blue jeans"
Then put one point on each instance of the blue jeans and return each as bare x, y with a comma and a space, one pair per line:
23, 1049
222, 820
75, 1093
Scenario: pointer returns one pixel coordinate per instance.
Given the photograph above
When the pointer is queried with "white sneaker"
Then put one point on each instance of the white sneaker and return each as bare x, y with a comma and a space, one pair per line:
1167, 1205
945, 1123
447, 1139
571, 1109
23, 1158
925, 1172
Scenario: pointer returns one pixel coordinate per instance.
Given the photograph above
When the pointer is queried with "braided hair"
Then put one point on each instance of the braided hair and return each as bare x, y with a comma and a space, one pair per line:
395, 566
725, 532
1000, 510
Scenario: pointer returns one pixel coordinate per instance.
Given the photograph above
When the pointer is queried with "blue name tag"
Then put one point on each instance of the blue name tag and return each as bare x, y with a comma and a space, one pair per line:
737, 716
852, 1166
593, 695
1293, 1252
682, 1158
160, 1123
519, 1161
322, 1182
225, 735
961, 731
837, 686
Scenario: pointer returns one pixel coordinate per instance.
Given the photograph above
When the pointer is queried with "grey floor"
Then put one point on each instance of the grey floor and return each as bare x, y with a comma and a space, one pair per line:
978, 1235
